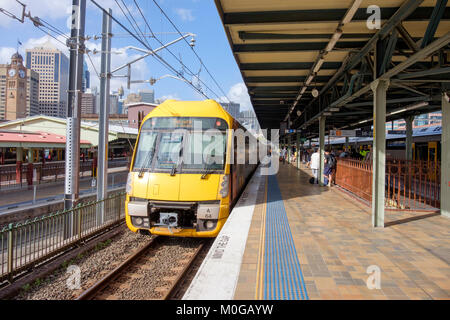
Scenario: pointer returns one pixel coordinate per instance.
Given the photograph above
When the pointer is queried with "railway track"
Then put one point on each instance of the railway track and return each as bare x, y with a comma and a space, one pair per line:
159, 271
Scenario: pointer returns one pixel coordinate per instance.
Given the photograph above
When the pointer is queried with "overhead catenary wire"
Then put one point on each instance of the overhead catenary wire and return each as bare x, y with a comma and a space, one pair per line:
193, 50
165, 63
190, 72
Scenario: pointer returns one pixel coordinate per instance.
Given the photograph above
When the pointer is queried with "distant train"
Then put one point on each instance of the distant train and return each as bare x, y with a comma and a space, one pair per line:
426, 144
167, 195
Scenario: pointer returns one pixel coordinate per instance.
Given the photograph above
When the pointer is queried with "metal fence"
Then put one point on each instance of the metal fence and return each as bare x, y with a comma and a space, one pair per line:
12, 177
410, 185
26, 244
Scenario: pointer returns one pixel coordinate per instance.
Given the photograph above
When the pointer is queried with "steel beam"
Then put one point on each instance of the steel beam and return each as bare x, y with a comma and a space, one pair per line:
287, 66
318, 15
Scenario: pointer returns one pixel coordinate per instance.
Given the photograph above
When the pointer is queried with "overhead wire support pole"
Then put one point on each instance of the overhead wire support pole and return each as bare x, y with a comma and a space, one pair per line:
76, 47
105, 77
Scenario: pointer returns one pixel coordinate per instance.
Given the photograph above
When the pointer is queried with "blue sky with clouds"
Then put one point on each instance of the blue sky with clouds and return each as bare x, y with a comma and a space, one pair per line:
196, 16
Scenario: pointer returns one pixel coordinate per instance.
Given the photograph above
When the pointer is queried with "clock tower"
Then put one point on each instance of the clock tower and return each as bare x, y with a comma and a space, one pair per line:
16, 88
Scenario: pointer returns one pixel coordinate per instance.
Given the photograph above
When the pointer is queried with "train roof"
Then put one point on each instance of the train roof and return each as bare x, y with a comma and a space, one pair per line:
175, 108
417, 132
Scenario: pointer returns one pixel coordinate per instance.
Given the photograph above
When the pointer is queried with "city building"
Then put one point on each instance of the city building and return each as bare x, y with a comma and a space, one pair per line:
147, 95
86, 79
232, 108
88, 102
52, 65
420, 121
137, 112
248, 119
19, 89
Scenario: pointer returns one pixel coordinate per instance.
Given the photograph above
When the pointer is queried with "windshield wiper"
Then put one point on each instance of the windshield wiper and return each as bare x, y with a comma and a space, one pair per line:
206, 168
180, 156
147, 158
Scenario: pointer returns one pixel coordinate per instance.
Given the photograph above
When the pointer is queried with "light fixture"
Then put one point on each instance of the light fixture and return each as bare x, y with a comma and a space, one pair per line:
334, 109
315, 93
308, 81
408, 108
303, 90
299, 113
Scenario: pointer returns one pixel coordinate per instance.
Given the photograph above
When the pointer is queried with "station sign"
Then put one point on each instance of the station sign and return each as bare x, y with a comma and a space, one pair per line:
396, 131
351, 133
343, 133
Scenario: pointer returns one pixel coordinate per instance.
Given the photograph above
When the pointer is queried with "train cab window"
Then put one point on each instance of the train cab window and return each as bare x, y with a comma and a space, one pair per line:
169, 150
193, 145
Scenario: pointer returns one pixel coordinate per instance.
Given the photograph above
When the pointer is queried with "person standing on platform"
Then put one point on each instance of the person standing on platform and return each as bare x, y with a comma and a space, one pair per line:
314, 164
283, 155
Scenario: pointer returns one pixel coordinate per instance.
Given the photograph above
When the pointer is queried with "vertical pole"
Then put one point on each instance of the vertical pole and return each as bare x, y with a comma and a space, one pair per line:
379, 88
445, 155
322, 148
76, 48
297, 147
409, 135
347, 139
289, 148
102, 173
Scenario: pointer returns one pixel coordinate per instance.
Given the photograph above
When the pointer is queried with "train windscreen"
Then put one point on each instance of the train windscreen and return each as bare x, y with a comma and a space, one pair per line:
181, 144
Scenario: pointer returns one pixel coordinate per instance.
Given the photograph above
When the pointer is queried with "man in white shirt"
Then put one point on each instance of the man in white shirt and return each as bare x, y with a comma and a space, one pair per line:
315, 164
283, 154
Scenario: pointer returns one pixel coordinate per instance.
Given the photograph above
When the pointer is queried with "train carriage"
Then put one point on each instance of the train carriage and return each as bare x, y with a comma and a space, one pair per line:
184, 179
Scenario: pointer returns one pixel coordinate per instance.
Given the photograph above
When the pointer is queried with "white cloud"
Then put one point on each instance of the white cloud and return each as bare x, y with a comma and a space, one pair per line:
5, 54
139, 70
53, 9
239, 94
185, 14
168, 97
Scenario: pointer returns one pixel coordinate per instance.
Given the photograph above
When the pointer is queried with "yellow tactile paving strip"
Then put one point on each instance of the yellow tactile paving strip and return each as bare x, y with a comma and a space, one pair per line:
336, 244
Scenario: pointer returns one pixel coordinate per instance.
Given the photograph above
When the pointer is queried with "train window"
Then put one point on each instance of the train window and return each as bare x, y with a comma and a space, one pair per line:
207, 149
169, 150
145, 150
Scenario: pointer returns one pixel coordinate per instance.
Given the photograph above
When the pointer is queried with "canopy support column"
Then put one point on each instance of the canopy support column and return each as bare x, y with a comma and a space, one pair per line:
379, 88
322, 148
445, 155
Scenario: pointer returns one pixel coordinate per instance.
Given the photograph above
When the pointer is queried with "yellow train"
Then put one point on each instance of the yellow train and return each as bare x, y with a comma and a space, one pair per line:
182, 180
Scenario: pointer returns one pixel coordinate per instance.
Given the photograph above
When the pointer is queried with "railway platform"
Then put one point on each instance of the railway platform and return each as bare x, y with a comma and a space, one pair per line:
288, 239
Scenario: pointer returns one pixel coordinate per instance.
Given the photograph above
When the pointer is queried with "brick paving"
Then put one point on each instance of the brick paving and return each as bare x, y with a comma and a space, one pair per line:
336, 244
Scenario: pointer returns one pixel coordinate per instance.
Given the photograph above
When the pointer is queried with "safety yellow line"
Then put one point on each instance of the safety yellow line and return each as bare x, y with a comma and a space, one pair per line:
260, 267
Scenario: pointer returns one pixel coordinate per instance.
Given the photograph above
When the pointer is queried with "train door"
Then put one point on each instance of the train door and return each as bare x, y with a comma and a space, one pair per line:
432, 160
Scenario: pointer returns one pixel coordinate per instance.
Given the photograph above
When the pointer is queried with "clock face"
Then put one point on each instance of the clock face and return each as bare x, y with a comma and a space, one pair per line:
22, 73
12, 72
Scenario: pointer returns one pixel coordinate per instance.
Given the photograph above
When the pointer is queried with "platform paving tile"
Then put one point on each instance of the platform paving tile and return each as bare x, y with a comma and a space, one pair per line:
336, 243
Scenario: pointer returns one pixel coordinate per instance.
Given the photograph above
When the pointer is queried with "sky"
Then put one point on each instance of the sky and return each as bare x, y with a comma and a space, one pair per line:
194, 16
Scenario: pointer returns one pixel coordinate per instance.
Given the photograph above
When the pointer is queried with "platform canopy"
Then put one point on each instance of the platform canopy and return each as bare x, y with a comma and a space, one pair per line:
89, 130
285, 49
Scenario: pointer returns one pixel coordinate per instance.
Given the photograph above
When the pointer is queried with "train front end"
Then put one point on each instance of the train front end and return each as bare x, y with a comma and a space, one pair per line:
178, 183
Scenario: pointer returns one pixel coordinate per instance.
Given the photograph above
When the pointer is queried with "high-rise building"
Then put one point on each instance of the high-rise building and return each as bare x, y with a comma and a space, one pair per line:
18, 90
147, 96
88, 102
232, 108
52, 65
32, 92
86, 79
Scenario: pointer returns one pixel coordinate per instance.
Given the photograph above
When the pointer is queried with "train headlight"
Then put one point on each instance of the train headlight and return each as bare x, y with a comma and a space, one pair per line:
224, 186
129, 187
